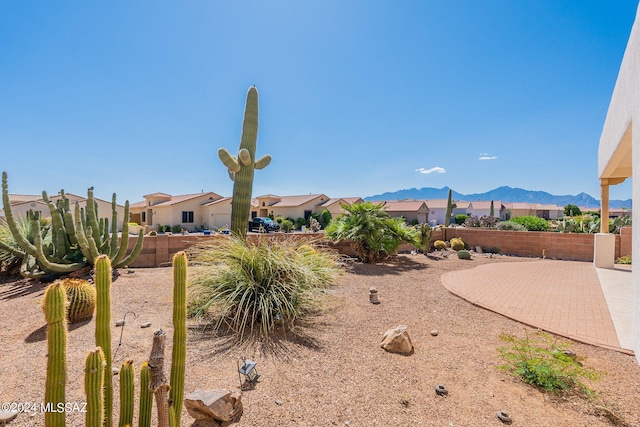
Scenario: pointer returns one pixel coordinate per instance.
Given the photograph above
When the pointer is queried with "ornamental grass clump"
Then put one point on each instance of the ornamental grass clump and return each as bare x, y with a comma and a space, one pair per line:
252, 287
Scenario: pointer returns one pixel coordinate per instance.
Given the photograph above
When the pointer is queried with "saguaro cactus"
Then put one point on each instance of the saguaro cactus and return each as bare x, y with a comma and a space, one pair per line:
54, 306
179, 351
241, 168
102, 279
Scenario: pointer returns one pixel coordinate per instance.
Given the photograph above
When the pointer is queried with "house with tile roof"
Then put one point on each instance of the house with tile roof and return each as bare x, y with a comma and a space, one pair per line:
410, 210
185, 210
334, 206
301, 206
482, 208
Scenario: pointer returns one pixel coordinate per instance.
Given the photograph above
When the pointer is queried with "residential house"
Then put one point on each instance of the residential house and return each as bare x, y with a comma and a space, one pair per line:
287, 206
517, 209
549, 211
185, 211
482, 208
334, 206
618, 151
218, 213
410, 210
438, 210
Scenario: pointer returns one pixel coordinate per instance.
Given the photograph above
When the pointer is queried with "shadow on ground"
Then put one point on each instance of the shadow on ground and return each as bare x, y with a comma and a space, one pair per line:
391, 266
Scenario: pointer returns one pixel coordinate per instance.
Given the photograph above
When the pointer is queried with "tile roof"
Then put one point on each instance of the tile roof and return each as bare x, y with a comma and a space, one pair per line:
185, 197
408, 206
286, 201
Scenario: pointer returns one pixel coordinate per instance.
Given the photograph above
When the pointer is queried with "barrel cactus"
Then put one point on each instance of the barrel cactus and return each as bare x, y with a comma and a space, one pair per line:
456, 244
439, 244
81, 296
464, 254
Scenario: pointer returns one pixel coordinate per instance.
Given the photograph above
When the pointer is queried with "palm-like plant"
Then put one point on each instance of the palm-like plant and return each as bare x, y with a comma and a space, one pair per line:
372, 233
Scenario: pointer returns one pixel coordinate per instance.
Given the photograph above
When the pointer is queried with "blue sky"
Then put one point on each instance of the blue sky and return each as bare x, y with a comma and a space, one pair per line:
357, 97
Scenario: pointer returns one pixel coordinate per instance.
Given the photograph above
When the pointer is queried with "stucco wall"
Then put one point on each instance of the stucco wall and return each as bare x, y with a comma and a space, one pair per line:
617, 131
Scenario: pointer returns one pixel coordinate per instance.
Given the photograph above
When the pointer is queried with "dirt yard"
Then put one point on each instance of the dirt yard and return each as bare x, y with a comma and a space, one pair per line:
332, 372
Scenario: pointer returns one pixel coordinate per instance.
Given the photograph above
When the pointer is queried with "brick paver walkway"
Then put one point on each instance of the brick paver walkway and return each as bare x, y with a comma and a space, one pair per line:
561, 297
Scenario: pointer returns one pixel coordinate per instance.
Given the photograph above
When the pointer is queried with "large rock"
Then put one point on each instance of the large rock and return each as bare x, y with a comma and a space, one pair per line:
397, 340
221, 405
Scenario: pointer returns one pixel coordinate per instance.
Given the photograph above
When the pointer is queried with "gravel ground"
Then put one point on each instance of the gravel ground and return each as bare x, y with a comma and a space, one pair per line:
332, 371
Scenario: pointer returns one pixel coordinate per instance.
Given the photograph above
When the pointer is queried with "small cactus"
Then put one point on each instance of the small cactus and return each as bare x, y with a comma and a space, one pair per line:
464, 254
126, 393
82, 299
146, 398
54, 307
439, 244
94, 375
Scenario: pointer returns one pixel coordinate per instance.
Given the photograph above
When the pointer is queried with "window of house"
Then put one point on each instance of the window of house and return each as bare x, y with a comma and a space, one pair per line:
307, 214
187, 217
143, 217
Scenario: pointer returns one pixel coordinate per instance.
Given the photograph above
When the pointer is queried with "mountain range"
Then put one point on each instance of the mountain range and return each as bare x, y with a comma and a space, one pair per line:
504, 194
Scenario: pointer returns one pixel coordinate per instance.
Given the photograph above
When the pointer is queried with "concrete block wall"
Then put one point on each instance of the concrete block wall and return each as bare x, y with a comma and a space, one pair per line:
158, 250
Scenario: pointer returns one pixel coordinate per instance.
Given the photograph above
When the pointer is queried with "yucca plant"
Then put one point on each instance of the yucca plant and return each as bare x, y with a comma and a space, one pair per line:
11, 254
373, 234
252, 287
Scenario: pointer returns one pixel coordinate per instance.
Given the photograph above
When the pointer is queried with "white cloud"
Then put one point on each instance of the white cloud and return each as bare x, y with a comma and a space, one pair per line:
428, 171
485, 156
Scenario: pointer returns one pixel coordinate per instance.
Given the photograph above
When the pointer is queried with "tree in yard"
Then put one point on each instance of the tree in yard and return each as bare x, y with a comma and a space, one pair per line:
373, 234
572, 210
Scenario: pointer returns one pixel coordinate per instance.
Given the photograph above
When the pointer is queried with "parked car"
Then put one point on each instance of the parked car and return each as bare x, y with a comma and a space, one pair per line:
263, 224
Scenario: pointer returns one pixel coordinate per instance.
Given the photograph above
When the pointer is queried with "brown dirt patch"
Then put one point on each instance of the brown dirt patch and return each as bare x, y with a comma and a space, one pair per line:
332, 372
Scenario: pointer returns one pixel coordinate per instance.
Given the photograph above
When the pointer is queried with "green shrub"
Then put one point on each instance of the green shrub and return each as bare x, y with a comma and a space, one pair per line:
464, 254
456, 244
176, 229
532, 223
571, 210
510, 226
279, 219
251, 287
439, 244
326, 218
286, 225
545, 362
625, 259
300, 222
460, 219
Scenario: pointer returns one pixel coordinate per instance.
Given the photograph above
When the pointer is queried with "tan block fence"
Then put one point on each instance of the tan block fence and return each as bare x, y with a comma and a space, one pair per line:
158, 250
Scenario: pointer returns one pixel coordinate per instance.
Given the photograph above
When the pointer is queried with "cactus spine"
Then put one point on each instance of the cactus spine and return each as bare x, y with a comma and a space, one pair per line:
94, 375
54, 307
146, 398
178, 355
82, 299
126, 393
102, 279
241, 168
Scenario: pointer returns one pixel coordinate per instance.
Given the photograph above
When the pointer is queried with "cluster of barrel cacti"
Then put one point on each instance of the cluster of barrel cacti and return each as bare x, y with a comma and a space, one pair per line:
456, 244
76, 240
98, 371
241, 168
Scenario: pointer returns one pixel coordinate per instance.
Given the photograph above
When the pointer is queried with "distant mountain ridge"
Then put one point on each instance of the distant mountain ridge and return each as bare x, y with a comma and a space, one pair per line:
504, 194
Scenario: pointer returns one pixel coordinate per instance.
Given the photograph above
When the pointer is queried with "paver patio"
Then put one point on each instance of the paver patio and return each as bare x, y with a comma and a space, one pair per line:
561, 297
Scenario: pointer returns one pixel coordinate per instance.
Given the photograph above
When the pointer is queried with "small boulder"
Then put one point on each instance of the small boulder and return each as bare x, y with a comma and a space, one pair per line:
7, 416
397, 340
221, 405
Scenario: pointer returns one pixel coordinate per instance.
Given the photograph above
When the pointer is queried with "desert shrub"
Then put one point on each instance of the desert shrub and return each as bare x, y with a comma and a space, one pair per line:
460, 219
425, 232
625, 259
300, 222
490, 250
488, 221
532, 223
545, 362
373, 235
439, 244
464, 254
456, 244
279, 219
571, 210
250, 287
314, 225
176, 229
472, 221
510, 226
286, 225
